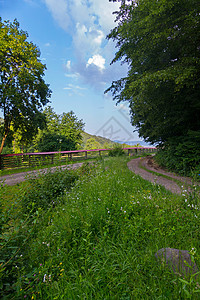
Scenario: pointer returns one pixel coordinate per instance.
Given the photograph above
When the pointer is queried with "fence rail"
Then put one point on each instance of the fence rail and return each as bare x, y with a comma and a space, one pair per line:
24, 160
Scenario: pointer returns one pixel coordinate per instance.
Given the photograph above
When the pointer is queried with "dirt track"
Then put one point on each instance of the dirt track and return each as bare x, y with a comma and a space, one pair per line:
136, 165
19, 177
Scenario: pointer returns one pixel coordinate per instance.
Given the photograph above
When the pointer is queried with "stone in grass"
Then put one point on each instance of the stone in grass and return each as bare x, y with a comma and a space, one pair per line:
179, 261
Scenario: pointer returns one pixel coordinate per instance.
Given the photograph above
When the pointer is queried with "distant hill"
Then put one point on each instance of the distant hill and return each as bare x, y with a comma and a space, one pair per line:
134, 143
101, 141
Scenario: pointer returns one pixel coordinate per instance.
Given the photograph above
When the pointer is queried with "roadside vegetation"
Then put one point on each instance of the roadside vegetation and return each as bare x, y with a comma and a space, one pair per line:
40, 167
92, 234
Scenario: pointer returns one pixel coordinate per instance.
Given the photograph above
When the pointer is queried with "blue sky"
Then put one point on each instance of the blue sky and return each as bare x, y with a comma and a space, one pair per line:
71, 35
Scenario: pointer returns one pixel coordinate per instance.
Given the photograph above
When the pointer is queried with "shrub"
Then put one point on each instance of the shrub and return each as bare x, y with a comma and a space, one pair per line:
46, 189
116, 151
87, 169
181, 155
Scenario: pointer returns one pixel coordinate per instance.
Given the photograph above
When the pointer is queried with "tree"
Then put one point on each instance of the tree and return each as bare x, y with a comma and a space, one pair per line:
8, 143
54, 142
52, 120
71, 127
64, 125
92, 144
23, 91
160, 42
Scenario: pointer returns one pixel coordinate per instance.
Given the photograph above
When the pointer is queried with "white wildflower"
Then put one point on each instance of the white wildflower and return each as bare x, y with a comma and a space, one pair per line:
44, 279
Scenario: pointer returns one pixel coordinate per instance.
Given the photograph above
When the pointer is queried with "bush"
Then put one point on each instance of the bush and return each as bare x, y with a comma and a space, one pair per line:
21, 221
181, 154
46, 190
116, 151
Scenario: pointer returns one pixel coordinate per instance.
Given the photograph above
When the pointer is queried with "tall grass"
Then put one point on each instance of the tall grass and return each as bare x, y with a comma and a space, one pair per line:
99, 241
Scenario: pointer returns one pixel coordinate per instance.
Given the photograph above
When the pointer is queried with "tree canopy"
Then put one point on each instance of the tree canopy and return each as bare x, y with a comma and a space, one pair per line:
92, 144
63, 132
160, 42
23, 91
54, 142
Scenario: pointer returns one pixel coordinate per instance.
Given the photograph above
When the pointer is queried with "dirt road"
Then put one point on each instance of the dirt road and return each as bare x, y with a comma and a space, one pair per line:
19, 177
137, 165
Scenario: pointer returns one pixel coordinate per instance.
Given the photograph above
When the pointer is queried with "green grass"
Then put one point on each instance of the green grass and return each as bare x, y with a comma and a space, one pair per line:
40, 167
99, 241
180, 183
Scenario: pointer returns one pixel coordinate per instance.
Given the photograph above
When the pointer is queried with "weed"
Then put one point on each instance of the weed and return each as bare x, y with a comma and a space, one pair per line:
116, 151
99, 241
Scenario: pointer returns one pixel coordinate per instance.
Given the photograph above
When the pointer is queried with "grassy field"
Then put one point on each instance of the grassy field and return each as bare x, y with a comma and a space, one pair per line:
93, 234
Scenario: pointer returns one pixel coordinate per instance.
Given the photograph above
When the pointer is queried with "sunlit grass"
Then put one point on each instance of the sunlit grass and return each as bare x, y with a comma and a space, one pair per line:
100, 241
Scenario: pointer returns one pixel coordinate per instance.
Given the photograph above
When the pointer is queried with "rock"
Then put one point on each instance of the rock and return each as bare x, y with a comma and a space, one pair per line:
179, 261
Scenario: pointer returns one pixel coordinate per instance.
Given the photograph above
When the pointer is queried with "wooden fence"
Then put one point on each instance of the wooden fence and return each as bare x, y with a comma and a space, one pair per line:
24, 160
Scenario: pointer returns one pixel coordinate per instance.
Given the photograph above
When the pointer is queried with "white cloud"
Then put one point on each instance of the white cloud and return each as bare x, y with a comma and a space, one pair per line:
88, 22
59, 11
98, 36
123, 107
97, 60
74, 90
73, 75
74, 87
68, 65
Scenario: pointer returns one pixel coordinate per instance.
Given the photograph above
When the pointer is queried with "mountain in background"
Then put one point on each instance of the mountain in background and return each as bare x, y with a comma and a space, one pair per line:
134, 143
95, 142
90, 141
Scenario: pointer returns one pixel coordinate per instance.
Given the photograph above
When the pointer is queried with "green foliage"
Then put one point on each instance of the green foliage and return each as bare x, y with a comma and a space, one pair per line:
104, 142
23, 91
116, 151
53, 142
100, 243
87, 169
46, 190
92, 143
8, 142
181, 154
159, 40
7, 150
66, 124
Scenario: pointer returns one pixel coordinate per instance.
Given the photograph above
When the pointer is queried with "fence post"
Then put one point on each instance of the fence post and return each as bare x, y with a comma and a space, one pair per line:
85, 154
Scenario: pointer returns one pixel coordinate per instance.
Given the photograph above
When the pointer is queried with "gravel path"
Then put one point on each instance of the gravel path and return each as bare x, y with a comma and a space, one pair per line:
19, 177
136, 165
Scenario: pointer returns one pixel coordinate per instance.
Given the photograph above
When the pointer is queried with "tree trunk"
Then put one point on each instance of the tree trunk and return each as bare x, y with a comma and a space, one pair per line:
3, 142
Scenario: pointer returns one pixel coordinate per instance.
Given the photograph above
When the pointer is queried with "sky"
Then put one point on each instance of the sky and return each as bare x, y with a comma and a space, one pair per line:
71, 36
